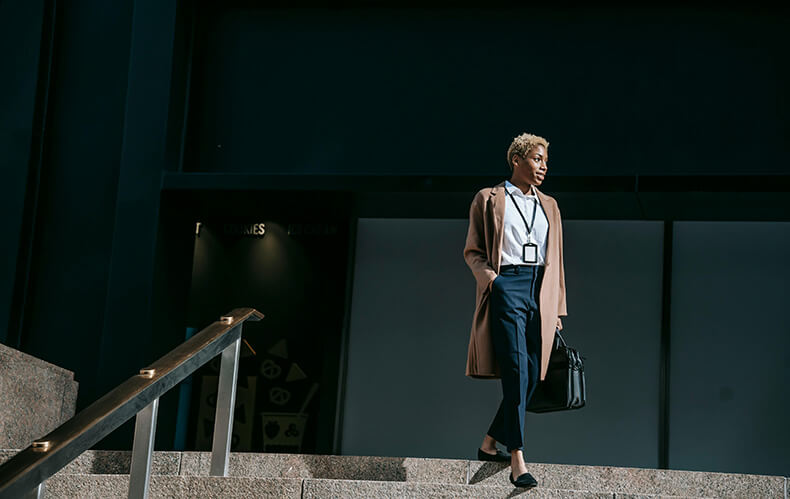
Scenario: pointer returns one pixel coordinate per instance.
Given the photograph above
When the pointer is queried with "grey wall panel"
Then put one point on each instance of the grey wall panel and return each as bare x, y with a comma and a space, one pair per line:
730, 347
413, 298
613, 279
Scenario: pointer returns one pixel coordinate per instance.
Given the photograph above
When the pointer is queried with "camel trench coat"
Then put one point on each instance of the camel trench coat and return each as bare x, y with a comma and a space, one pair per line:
482, 254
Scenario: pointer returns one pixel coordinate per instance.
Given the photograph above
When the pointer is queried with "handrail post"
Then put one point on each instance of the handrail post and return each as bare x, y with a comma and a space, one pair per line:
36, 493
142, 451
226, 403
24, 475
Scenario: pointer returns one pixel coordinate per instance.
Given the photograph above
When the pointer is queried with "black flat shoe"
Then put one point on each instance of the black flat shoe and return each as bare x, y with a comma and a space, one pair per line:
499, 457
526, 480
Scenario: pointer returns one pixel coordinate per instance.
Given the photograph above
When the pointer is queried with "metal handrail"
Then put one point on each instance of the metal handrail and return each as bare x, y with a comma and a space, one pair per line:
24, 474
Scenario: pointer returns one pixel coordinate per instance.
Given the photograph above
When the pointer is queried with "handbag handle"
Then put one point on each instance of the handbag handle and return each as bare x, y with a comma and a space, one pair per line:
562, 340
557, 332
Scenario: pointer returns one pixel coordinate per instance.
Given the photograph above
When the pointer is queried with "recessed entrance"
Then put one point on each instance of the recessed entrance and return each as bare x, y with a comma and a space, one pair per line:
290, 263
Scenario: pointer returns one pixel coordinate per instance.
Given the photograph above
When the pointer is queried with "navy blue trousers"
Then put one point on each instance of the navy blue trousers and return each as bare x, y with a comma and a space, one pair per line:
515, 332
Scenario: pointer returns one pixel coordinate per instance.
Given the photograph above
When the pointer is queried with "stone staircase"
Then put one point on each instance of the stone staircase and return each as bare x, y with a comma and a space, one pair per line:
185, 474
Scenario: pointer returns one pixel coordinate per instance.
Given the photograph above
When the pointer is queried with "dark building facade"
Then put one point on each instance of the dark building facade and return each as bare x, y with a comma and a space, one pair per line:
164, 162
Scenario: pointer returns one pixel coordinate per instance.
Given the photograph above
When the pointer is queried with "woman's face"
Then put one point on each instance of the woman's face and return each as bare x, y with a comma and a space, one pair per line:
532, 167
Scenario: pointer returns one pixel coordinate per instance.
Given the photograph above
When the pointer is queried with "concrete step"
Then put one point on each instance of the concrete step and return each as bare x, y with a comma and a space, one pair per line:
110, 486
358, 472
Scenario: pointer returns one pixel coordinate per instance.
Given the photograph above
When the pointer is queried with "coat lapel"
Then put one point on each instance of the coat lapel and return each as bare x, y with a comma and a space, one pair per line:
497, 207
550, 213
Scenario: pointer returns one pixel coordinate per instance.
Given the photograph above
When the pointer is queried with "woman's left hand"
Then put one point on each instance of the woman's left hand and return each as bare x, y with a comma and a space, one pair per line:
559, 323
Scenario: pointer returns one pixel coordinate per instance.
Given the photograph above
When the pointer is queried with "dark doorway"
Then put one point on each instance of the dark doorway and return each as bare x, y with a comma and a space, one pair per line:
285, 254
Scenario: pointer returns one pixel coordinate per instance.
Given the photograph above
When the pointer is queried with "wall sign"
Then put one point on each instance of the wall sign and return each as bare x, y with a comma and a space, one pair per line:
254, 230
312, 229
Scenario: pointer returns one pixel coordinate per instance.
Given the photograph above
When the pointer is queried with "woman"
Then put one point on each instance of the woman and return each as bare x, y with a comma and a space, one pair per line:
514, 248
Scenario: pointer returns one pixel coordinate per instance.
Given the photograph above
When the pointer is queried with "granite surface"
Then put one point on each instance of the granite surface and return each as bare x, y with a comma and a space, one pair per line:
87, 486
117, 462
352, 489
241, 487
651, 496
620, 480
6, 454
185, 475
35, 398
112, 486
109, 486
332, 467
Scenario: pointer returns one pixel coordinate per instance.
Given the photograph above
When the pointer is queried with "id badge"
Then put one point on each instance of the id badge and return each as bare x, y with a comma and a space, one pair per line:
530, 253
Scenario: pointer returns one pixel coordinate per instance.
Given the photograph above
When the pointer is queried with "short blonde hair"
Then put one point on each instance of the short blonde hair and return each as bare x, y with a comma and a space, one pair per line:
523, 144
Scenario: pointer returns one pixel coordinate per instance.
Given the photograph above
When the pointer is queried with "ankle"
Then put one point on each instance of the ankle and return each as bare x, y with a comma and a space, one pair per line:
518, 469
488, 443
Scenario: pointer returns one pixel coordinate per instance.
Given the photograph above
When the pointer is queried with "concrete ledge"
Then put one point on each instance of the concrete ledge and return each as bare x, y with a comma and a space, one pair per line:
333, 467
620, 480
112, 462
357, 489
110, 486
35, 397
370, 473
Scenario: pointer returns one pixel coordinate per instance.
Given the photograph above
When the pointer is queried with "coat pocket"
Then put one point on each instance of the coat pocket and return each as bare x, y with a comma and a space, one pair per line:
491, 283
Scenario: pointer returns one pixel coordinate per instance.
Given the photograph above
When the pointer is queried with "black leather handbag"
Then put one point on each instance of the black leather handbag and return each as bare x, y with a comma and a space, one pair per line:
563, 387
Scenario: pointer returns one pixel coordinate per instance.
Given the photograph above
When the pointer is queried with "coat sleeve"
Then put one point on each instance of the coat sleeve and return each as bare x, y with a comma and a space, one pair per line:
562, 309
475, 253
